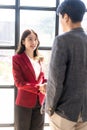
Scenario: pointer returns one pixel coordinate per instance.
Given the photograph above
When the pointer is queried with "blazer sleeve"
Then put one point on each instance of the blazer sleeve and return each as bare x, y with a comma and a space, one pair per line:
44, 78
19, 78
56, 74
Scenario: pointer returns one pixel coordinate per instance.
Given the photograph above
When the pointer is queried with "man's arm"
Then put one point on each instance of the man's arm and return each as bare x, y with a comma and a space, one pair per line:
56, 75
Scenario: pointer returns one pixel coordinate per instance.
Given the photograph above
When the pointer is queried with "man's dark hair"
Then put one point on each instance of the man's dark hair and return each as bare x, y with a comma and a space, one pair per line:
75, 9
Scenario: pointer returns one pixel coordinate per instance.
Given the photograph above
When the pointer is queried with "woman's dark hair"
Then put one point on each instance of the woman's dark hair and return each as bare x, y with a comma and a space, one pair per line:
75, 9
21, 47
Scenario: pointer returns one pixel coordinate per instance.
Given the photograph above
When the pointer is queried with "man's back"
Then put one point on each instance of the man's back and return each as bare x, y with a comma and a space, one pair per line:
74, 95
66, 100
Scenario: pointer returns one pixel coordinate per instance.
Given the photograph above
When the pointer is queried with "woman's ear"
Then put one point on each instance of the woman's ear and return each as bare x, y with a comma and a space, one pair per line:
23, 42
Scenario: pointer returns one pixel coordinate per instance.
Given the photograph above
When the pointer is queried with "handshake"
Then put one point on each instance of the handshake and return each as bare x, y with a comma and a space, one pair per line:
42, 88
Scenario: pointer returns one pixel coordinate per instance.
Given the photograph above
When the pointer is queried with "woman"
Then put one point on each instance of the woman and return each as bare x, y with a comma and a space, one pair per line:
30, 82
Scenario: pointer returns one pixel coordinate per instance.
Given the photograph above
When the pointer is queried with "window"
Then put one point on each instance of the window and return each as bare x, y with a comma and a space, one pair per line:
7, 107
84, 22
5, 2
42, 22
5, 67
40, 3
7, 27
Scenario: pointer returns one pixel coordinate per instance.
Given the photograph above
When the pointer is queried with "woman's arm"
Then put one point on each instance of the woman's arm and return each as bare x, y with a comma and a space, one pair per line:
19, 78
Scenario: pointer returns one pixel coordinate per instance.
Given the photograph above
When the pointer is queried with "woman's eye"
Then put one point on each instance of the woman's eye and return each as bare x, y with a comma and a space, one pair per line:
30, 39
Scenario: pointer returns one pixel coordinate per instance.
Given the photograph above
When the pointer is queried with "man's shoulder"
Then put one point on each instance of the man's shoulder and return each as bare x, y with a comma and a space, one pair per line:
64, 35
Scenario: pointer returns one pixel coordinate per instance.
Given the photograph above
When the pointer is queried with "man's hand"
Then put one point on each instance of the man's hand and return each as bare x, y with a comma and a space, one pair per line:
42, 88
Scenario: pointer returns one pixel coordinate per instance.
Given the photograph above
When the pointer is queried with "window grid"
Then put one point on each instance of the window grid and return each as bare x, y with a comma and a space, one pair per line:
17, 9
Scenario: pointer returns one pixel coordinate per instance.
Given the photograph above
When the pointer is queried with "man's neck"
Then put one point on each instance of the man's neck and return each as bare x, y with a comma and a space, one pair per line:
74, 25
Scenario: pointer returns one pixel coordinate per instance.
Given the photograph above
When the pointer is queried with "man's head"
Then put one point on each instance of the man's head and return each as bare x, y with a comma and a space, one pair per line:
73, 9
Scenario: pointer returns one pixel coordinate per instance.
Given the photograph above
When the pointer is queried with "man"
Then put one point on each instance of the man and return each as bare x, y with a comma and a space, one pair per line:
66, 100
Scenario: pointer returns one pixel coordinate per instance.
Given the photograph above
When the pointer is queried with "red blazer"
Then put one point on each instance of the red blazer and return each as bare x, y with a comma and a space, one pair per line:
25, 81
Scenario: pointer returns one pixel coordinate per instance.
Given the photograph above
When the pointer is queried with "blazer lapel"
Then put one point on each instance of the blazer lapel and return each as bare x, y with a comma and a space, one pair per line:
28, 63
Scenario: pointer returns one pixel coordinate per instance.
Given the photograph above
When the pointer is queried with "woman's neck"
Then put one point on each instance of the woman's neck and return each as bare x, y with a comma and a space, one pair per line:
30, 54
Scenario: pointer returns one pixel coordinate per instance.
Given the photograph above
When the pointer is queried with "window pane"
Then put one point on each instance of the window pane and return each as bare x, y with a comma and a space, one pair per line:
46, 54
85, 2
5, 2
43, 22
84, 22
7, 27
38, 3
6, 67
60, 28
6, 128
7, 106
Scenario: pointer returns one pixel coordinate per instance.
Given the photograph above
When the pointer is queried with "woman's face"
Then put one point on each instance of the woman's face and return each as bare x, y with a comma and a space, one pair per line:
30, 42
